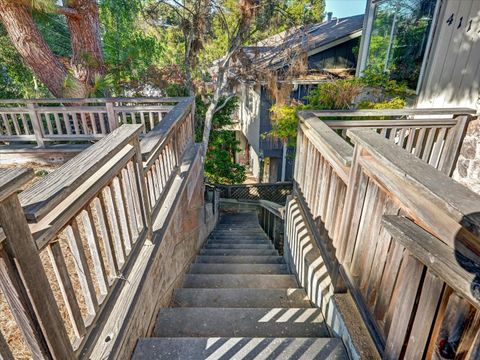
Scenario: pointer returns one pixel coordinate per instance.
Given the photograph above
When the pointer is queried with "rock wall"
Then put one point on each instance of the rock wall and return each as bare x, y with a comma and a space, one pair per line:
467, 171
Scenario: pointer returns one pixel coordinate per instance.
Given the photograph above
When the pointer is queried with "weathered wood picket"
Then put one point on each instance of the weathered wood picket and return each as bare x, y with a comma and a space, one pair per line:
64, 120
404, 237
69, 239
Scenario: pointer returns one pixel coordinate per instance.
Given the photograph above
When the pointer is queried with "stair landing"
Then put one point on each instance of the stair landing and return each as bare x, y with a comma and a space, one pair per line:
239, 301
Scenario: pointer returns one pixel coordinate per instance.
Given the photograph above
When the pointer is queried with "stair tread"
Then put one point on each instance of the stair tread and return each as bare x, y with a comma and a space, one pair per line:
198, 348
239, 259
239, 281
238, 269
241, 297
242, 322
239, 246
238, 252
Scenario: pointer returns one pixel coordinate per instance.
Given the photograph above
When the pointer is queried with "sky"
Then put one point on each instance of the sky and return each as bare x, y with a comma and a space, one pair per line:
343, 8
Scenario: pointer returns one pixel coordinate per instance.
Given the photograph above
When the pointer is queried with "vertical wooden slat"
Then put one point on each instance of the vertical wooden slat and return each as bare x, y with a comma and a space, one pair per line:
105, 233
94, 245
121, 215
129, 207
48, 120
419, 142
76, 125
136, 195
21, 246
114, 229
16, 125
83, 272
101, 120
84, 123
428, 145
406, 293
65, 284
58, 125
437, 148
17, 298
427, 307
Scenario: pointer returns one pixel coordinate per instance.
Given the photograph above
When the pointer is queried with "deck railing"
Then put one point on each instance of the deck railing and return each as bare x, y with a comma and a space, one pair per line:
433, 135
405, 235
65, 255
47, 121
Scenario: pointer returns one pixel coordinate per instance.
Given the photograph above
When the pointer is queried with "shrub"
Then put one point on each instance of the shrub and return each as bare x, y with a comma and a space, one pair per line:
334, 95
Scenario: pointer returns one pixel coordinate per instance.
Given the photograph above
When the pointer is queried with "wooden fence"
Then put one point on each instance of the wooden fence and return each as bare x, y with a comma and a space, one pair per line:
47, 121
274, 192
404, 237
70, 239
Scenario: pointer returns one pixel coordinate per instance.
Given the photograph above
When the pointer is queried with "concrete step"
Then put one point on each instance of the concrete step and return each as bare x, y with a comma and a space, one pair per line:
195, 348
248, 241
240, 322
238, 269
239, 246
239, 281
246, 298
239, 259
239, 252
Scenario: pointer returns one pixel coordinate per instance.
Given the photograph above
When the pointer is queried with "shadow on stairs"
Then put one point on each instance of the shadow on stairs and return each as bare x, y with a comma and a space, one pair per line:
239, 301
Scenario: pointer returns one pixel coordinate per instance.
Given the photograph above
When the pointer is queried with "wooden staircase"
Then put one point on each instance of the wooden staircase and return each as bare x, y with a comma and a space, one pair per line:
239, 301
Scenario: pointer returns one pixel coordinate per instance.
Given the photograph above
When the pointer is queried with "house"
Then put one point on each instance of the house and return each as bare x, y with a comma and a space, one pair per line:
331, 48
434, 45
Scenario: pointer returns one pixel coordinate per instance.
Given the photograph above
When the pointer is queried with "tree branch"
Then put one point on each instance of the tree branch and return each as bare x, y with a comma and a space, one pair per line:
218, 108
67, 11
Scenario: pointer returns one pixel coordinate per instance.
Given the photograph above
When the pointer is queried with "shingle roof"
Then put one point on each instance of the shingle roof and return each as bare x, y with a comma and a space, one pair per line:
275, 50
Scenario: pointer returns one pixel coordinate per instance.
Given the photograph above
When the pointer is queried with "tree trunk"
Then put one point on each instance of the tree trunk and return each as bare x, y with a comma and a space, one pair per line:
30, 44
87, 60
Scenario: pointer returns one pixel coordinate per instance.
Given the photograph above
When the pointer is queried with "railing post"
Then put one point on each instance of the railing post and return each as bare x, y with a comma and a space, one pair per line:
37, 128
23, 279
112, 121
142, 187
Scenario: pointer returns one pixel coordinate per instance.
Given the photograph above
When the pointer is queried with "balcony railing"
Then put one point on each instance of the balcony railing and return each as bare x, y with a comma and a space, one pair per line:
49, 121
69, 241
401, 236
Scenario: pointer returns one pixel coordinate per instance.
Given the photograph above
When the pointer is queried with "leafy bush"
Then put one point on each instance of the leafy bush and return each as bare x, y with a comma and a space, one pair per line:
284, 122
334, 95
395, 103
220, 166
376, 78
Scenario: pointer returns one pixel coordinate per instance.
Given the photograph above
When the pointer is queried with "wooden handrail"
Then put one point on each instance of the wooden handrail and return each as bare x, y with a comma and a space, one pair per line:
459, 272
451, 112
153, 140
393, 267
93, 100
43, 196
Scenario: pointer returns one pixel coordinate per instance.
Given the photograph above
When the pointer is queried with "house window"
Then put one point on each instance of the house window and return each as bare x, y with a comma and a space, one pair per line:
399, 37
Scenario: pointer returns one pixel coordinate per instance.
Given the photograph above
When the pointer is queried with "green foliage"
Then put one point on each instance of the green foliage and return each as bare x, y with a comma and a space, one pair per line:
375, 78
334, 95
16, 79
220, 166
129, 49
284, 123
395, 103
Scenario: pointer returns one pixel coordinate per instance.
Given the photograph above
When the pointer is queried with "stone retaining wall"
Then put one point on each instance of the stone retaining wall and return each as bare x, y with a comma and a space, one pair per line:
467, 171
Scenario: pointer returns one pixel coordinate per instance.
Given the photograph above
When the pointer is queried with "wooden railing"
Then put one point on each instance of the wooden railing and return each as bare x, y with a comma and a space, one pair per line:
433, 135
65, 255
406, 238
47, 121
